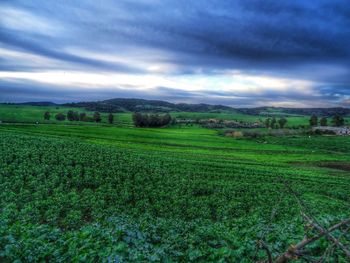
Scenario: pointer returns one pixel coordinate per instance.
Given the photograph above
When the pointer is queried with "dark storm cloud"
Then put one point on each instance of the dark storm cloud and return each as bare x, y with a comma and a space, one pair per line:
34, 47
254, 30
290, 39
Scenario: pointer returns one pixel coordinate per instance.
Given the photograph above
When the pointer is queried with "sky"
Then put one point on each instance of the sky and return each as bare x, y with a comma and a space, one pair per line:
242, 53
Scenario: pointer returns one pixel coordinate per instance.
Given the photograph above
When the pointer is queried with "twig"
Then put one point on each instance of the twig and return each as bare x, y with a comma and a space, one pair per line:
264, 246
331, 247
328, 235
261, 244
294, 250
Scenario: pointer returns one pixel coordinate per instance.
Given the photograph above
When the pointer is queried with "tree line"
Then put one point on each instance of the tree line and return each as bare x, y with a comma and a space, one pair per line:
336, 121
76, 116
151, 120
273, 123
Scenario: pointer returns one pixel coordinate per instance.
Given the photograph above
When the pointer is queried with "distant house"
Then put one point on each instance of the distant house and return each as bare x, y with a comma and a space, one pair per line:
335, 130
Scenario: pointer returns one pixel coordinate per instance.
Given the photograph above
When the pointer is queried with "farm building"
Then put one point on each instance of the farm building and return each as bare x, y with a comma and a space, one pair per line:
335, 130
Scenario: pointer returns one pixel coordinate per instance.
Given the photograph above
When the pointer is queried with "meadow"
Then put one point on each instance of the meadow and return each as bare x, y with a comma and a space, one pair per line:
32, 114
114, 193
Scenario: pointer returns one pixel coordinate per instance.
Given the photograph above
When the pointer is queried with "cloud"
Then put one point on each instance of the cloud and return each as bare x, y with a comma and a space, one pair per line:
31, 90
278, 51
21, 20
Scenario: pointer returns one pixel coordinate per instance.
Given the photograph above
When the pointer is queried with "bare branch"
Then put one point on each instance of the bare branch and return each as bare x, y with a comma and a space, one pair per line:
294, 250
264, 246
331, 247
328, 235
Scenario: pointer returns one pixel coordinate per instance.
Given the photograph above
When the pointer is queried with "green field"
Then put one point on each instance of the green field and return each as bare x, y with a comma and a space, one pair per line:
33, 114
115, 193
292, 120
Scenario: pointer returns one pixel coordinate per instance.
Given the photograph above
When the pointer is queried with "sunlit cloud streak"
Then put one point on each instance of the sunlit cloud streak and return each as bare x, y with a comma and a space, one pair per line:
245, 53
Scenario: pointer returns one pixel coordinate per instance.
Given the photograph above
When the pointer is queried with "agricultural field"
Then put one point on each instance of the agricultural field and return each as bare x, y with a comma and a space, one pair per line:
98, 192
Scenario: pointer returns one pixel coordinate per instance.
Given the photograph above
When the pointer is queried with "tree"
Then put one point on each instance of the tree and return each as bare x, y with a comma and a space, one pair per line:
82, 116
268, 123
47, 115
273, 123
60, 116
137, 119
145, 120
166, 119
151, 120
154, 120
282, 122
70, 115
323, 121
313, 120
110, 118
97, 117
338, 120
76, 116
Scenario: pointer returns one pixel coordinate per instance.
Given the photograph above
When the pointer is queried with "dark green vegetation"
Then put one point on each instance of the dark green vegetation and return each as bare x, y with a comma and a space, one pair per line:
296, 111
151, 120
127, 105
99, 192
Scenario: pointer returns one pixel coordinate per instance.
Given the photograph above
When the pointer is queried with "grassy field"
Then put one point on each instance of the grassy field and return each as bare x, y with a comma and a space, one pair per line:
292, 120
33, 114
183, 193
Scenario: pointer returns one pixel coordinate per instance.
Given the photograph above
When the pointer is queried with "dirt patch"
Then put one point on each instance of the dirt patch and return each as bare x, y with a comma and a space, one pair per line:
344, 166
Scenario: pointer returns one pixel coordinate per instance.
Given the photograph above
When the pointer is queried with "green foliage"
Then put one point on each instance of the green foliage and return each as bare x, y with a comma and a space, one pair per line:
110, 118
313, 120
282, 122
338, 121
73, 115
60, 116
97, 117
273, 123
82, 116
150, 120
323, 121
162, 195
47, 115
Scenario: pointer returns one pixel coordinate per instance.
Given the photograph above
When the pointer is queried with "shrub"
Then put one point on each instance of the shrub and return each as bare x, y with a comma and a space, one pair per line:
151, 120
60, 116
253, 134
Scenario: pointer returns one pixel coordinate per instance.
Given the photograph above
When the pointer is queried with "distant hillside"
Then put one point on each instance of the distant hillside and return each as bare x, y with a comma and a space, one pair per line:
270, 111
38, 103
127, 105
123, 105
